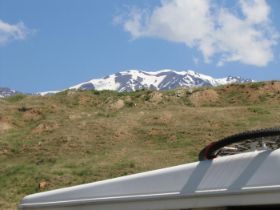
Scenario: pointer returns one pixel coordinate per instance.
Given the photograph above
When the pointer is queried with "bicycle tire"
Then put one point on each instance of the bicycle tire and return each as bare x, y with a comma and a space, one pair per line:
210, 152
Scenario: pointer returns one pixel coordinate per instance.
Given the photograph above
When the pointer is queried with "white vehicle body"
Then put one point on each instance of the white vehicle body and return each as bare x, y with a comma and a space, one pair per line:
239, 180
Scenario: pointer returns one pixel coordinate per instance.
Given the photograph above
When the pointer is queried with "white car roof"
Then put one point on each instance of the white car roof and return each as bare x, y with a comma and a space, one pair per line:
244, 179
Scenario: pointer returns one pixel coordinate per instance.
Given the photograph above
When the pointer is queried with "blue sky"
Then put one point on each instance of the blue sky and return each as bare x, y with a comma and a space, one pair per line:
51, 45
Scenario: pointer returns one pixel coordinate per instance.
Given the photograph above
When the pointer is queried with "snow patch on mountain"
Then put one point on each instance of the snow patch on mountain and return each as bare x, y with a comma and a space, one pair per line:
48, 92
106, 83
6, 92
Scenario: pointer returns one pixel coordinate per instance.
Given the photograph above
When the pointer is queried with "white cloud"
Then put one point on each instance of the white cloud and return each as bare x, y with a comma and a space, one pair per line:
212, 29
256, 11
11, 32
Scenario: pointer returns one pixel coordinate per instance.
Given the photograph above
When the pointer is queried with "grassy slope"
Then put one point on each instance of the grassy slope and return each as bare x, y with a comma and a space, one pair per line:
78, 137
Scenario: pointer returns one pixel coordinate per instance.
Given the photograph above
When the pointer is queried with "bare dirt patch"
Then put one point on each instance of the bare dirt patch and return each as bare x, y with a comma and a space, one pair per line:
45, 127
75, 116
4, 126
156, 97
204, 97
119, 104
32, 115
272, 88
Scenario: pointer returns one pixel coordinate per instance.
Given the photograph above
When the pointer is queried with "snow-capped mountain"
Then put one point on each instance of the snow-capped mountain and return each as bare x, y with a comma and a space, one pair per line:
132, 80
166, 79
5, 92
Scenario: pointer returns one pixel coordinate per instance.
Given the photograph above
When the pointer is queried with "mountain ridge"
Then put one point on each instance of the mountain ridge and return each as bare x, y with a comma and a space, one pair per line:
165, 79
132, 80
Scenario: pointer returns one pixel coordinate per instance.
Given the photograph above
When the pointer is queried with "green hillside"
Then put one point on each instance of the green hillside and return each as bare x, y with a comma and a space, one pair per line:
77, 137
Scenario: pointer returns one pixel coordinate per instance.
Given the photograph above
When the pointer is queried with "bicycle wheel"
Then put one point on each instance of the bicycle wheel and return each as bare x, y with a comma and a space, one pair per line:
263, 139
